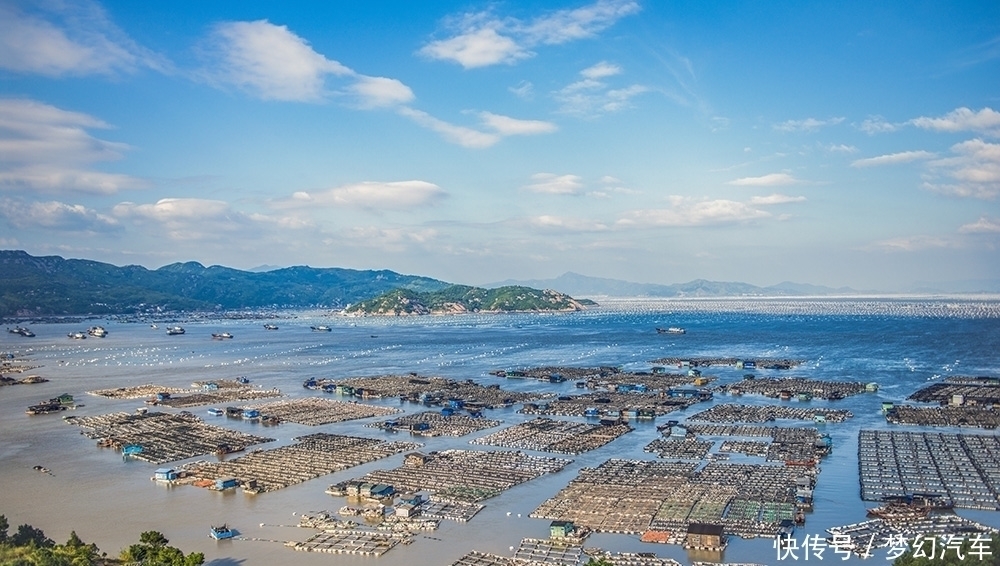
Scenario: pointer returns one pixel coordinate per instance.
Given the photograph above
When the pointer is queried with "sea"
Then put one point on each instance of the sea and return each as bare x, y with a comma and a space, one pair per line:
901, 343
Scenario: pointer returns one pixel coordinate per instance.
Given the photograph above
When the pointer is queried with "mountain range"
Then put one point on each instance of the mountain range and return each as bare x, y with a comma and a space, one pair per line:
583, 286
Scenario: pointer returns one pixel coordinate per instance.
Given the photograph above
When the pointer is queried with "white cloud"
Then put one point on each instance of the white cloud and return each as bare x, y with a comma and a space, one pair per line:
67, 38
769, 180
54, 215
466, 137
912, 244
601, 70
477, 48
974, 171
984, 225
375, 92
524, 89
562, 223
507, 126
986, 121
877, 125
272, 62
47, 149
841, 148
687, 211
549, 183
893, 158
590, 96
189, 219
482, 39
775, 198
806, 125
399, 195
387, 239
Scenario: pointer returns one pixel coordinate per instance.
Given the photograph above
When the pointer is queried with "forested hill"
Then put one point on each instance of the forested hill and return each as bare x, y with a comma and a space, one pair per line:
52, 285
462, 299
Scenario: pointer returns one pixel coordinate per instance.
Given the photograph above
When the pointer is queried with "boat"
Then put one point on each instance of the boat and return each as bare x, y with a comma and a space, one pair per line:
97, 331
223, 532
321, 328
216, 412
77, 335
270, 327
671, 330
42, 469
221, 335
22, 331
174, 331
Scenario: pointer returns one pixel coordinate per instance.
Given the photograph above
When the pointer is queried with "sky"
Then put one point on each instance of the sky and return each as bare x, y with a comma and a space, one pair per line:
832, 143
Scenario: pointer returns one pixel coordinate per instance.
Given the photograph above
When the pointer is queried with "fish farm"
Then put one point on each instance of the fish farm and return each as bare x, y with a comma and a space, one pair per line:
961, 468
614, 405
796, 445
733, 413
315, 411
548, 435
639, 497
680, 448
349, 541
310, 457
980, 391
790, 387
739, 363
466, 475
970, 416
435, 423
427, 390
163, 437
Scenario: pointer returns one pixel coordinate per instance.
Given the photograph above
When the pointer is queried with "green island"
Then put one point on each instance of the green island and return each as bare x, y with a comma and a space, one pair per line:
29, 546
458, 299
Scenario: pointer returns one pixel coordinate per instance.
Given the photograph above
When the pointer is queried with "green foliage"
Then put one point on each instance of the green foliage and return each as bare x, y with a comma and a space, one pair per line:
985, 555
152, 550
599, 562
30, 547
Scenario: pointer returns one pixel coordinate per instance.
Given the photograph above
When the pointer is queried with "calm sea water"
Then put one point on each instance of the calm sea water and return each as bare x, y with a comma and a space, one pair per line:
902, 344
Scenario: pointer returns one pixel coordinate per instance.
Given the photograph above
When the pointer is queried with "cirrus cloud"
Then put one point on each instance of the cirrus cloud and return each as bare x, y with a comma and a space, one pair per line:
984, 225
552, 184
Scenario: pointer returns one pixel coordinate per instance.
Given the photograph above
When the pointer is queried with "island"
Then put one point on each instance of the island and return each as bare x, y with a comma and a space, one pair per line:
458, 299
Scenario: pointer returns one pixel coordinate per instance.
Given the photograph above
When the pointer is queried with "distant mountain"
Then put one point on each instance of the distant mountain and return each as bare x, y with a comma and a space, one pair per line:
463, 299
52, 285
583, 286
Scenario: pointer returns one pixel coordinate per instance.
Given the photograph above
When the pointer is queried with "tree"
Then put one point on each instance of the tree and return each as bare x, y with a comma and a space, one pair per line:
26, 534
74, 540
153, 538
4, 525
599, 562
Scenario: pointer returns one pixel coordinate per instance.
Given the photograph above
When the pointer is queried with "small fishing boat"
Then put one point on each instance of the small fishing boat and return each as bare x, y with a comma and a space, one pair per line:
223, 532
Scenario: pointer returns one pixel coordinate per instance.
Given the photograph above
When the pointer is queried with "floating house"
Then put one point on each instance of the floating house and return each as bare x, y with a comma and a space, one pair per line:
887, 406
561, 529
65, 399
250, 414
216, 412
447, 412
407, 511
210, 386
704, 536
415, 460
871, 387
165, 474
226, 483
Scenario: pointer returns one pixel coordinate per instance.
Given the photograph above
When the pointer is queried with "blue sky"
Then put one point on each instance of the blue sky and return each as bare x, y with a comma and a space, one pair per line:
840, 143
